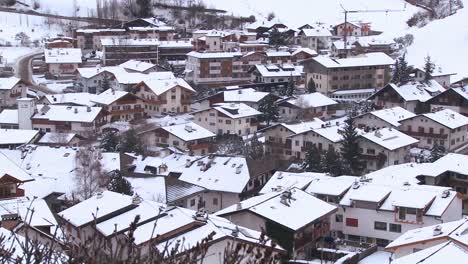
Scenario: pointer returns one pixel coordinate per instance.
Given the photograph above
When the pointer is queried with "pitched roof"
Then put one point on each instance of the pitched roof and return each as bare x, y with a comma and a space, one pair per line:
368, 59
234, 110
448, 118
161, 86
243, 95
84, 99
285, 70
8, 83
189, 131
54, 138
282, 180
393, 115
8, 167
316, 32
312, 100
63, 55
9, 116
109, 96
17, 136
389, 138
290, 214
67, 113
135, 65
441, 253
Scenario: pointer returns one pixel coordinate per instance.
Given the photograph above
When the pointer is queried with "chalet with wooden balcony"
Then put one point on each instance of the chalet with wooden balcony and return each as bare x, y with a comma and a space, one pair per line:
455, 98
11, 88
165, 96
308, 218
228, 118
278, 138
62, 63
385, 147
235, 94
190, 138
120, 105
11, 178
411, 96
307, 106
387, 117
445, 128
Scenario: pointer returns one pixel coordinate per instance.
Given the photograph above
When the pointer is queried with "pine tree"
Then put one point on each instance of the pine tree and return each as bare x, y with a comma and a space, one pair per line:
331, 163
429, 67
313, 160
130, 142
109, 142
290, 87
269, 108
396, 72
311, 87
405, 70
255, 149
352, 158
276, 38
437, 152
119, 184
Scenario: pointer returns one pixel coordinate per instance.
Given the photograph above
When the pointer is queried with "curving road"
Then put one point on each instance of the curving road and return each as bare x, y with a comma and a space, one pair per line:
23, 70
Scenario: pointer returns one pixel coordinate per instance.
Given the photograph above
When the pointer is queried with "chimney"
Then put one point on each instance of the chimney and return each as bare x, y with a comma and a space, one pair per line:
88, 108
99, 195
76, 110
136, 200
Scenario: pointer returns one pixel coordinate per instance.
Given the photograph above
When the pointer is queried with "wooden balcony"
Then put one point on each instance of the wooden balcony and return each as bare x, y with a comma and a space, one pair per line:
193, 147
311, 237
127, 111
424, 134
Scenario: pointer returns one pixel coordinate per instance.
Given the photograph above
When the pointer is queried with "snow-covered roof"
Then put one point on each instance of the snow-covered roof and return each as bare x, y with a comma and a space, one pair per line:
23, 206
392, 195
368, 59
67, 113
368, 41
135, 65
301, 127
316, 32
290, 213
9, 116
53, 169
89, 72
129, 42
306, 50
312, 100
463, 91
146, 210
217, 173
389, 138
63, 55
286, 70
420, 235
441, 253
413, 91
84, 99
393, 115
282, 180
124, 77
56, 138
159, 86
234, 110
333, 186
213, 55
244, 95
331, 129
98, 206
189, 132
448, 118
97, 30
174, 163
8, 167
275, 53
17, 136
8, 83
109, 96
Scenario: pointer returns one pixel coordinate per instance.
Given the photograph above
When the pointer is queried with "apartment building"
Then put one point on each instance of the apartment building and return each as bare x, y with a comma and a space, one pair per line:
306, 106
371, 70
165, 96
228, 118
384, 147
271, 73
316, 38
120, 50
444, 128
352, 29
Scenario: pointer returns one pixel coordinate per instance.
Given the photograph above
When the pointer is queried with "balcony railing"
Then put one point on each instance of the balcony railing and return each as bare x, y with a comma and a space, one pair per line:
424, 134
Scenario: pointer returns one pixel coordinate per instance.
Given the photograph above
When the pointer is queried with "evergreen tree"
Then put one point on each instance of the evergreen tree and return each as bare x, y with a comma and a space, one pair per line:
331, 163
429, 67
396, 72
119, 184
311, 87
255, 149
405, 70
130, 142
437, 152
145, 8
269, 108
352, 158
313, 160
276, 38
290, 87
109, 142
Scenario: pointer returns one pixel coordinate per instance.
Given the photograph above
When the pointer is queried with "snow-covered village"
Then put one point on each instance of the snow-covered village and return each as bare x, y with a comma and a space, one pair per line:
234, 132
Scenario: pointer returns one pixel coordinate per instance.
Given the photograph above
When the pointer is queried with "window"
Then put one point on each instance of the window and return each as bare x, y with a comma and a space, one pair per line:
371, 151
339, 218
381, 242
192, 202
461, 190
228, 122
215, 201
401, 213
396, 228
175, 143
461, 177
380, 226
352, 222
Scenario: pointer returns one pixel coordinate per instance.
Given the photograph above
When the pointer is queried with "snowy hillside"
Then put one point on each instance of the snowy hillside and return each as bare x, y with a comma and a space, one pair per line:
298, 12
446, 41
